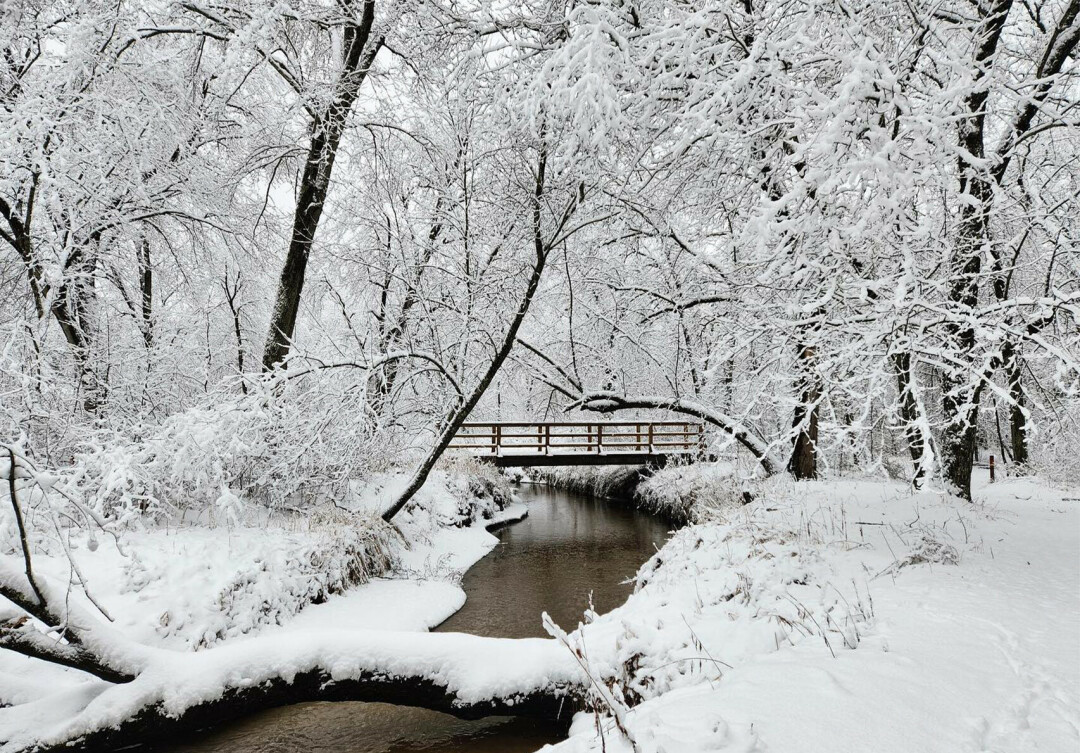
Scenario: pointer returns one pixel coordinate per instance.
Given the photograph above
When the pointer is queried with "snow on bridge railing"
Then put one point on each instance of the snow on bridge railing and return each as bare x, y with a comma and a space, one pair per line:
503, 438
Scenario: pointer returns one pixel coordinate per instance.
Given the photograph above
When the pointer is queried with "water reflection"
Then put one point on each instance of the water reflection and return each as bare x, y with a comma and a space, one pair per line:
569, 546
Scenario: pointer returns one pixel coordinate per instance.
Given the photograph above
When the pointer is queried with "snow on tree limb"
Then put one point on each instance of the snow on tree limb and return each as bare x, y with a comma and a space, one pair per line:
609, 402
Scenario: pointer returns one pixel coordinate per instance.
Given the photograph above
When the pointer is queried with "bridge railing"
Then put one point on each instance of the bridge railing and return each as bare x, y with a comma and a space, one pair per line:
497, 438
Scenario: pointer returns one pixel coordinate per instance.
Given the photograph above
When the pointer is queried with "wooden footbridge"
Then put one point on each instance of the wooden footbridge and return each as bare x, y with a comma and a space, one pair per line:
509, 444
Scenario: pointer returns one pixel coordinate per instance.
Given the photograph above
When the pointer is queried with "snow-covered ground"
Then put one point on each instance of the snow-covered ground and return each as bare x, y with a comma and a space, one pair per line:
195, 586
850, 616
827, 616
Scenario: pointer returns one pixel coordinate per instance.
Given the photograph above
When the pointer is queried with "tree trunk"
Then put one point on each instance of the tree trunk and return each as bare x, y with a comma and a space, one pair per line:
232, 296
327, 128
72, 312
962, 390
69, 306
910, 418
803, 462
146, 291
1018, 439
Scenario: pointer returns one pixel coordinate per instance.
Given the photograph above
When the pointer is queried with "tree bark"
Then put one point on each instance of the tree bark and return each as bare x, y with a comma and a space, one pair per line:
146, 291
1018, 440
71, 309
327, 127
962, 390
72, 649
803, 462
911, 418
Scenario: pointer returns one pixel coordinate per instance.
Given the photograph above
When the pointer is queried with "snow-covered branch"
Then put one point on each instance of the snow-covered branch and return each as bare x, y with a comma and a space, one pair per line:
609, 402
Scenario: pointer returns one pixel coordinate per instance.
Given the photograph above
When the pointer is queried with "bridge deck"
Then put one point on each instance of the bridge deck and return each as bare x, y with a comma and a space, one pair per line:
508, 443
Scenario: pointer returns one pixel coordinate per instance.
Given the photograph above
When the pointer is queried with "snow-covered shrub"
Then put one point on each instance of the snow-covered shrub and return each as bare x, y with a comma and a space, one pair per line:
287, 444
459, 492
1054, 455
480, 488
340, 550
689, 492
718, 595
612, 481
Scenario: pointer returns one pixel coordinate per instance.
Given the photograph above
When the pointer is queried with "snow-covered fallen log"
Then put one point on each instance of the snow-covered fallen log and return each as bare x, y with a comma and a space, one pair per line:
468, 676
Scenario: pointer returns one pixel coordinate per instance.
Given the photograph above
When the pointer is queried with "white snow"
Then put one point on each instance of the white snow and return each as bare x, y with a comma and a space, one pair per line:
828, 616
423, 593
473, 668
726, 638
177, 588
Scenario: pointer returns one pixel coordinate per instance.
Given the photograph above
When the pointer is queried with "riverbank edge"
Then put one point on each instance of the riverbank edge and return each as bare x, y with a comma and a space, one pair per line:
668, 493
809, 607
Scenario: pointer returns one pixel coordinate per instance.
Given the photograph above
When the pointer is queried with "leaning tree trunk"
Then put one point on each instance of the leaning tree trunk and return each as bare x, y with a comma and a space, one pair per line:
542, 250
327, 127
606, 401
153, 724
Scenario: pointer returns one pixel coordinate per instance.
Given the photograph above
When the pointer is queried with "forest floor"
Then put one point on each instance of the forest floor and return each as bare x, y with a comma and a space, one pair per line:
849, 616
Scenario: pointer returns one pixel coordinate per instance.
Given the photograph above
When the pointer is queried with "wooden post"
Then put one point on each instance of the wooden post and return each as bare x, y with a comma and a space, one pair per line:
991, 468
547, 439
650, 438
599, 439
496, 438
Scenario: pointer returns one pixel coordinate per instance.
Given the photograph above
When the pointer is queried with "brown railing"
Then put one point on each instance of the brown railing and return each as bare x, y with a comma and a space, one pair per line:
500, 438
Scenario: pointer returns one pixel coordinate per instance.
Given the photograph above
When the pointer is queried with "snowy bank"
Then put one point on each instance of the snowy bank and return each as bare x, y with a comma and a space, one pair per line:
294, 579
201, 582
848, 616
677, 493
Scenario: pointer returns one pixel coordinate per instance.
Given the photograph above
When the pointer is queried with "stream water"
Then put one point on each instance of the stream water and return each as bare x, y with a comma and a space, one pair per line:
570, 546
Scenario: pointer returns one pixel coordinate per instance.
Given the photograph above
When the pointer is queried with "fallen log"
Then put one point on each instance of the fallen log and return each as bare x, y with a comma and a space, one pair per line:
176, 692
155, 724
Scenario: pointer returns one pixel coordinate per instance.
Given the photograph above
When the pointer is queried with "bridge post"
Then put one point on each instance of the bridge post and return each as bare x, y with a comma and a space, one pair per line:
547, 439
650, 438
599, 439
496, 439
